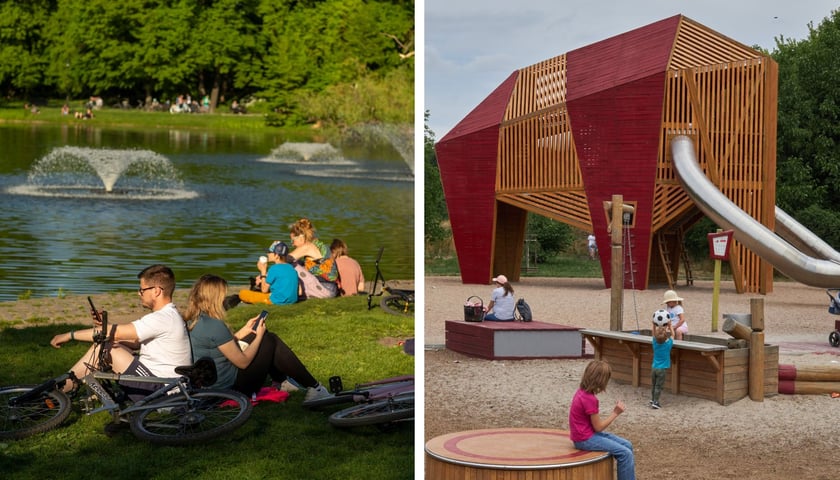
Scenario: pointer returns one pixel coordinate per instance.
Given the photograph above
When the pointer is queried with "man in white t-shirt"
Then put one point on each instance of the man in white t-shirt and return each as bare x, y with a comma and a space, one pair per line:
159, 338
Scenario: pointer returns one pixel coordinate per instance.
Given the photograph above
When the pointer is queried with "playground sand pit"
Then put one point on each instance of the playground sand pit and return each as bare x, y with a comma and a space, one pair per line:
781, 437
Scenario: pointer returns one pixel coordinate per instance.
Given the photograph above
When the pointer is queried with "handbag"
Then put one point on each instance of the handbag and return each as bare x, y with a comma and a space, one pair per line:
474, 312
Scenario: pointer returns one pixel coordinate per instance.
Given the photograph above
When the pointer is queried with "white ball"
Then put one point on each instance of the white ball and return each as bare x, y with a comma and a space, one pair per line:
661, 318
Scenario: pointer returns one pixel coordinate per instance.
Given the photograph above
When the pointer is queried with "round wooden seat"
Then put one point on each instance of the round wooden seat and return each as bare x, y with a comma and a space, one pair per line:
493, 453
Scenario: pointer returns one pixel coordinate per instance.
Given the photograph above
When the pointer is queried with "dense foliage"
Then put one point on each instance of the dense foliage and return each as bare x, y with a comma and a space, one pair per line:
808, 158
335, 61
435, 206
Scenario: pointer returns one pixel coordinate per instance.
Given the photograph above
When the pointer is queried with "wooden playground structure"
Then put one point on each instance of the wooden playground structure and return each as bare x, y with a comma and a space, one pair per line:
559, 138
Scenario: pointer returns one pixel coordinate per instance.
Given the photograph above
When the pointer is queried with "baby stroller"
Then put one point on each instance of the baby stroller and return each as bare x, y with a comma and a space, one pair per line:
834, 309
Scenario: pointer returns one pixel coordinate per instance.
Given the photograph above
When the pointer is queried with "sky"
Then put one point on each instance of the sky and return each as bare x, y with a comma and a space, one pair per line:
471, 46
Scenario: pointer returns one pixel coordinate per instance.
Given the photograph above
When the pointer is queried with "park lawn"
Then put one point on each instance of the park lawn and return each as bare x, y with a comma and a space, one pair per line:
332, 337
221, 120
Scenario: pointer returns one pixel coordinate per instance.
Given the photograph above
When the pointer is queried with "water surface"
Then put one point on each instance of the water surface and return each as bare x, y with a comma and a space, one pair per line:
241, 197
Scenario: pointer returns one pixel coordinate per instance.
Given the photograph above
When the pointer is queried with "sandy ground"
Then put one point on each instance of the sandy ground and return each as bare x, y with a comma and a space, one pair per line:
782, 437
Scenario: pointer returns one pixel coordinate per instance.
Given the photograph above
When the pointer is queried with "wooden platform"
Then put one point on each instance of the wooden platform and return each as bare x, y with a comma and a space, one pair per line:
513, 453
514, 340
701, 367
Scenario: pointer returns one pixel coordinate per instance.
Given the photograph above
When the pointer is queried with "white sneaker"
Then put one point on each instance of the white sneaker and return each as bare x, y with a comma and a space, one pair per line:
314, 393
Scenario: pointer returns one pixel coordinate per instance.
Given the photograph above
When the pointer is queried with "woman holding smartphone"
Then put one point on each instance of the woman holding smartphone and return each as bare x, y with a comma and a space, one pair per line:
243, 369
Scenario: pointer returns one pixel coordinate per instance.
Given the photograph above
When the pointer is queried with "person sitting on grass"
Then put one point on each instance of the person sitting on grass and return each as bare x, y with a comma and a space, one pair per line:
351, 280
278, 284
243, 369
160, 337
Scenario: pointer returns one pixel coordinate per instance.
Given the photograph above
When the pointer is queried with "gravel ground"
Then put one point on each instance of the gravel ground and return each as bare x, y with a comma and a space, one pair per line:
782, 437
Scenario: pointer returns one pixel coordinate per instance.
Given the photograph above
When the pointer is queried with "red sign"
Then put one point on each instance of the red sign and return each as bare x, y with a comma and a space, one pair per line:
719, 245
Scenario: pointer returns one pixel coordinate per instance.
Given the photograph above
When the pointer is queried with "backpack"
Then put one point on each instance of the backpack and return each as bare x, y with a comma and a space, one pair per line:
523, 311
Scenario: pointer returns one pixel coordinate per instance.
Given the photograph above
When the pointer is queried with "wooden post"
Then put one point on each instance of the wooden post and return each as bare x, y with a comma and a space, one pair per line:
756, 373
737, 330
757, 314
716, 292
616, 264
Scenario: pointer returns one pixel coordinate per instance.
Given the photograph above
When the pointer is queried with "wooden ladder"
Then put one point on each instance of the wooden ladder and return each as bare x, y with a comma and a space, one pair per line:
665, 256
689, 277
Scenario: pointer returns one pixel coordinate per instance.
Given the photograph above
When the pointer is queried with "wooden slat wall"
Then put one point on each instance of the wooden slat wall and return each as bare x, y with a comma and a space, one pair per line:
723, 95
722, 107
535, 134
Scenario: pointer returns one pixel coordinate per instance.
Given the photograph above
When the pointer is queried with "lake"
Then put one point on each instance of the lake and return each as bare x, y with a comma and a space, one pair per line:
199, 202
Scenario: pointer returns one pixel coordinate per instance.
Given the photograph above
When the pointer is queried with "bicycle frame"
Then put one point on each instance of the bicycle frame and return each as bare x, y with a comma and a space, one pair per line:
376, 280
109, 403
380, 389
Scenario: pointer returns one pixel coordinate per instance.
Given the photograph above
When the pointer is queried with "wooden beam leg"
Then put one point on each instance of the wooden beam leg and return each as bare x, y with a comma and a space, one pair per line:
675, 372
633, 348
596, 345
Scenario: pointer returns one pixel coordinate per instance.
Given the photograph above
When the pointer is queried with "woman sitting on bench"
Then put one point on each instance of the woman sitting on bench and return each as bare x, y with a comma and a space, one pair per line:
502, 303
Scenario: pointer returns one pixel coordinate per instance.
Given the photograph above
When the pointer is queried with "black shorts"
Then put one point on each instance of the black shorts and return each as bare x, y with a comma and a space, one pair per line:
138, 390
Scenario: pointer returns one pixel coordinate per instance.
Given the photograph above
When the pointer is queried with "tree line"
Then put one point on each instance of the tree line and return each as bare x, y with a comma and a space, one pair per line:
294, 55
808, 142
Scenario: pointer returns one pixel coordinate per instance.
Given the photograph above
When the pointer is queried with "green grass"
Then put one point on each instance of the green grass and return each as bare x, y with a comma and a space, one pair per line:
569, 265
222, 120
561, 265
332, 337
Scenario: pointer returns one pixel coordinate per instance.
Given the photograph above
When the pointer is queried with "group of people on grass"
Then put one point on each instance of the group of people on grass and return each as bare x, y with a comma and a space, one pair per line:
309, 268
166, 338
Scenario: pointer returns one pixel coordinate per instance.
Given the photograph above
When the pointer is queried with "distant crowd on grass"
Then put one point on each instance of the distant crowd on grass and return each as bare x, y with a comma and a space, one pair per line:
181, 104
306, 267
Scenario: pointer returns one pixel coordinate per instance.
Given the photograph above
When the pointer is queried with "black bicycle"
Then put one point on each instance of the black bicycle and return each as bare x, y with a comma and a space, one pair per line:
180, 412
398, 301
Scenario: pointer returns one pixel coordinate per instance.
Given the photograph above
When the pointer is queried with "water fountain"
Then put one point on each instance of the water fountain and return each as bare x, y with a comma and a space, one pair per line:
399, 137
81, 172
302, 152
324, 160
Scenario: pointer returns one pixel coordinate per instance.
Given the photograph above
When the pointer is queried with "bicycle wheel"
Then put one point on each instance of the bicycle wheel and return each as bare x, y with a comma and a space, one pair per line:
358, 393
40, 414
181, 421
398, 408
397, 305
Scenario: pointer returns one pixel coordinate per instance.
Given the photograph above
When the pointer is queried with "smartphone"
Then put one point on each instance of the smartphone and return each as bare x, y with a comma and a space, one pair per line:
94, 310
261, 318
103, 322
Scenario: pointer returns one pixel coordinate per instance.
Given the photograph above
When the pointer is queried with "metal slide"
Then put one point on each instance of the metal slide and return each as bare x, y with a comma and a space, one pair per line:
818, 272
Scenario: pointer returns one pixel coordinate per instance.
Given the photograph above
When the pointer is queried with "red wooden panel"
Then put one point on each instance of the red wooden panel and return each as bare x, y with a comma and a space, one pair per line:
617, 138
621, 59
467, 159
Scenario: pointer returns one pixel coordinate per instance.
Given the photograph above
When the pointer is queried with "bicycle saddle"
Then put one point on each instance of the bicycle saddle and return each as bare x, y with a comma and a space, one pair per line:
202, 373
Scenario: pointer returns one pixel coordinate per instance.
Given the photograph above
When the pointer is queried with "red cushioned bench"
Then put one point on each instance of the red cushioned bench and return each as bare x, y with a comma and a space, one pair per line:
514, 340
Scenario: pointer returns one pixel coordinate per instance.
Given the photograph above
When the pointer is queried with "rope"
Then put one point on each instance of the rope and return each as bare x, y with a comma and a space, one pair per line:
626, 221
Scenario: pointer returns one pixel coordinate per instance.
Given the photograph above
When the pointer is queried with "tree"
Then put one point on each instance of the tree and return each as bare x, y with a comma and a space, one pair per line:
808, 158
22, 45
434, 202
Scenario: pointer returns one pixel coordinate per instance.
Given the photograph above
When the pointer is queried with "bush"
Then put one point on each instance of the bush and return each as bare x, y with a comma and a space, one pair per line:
553, 237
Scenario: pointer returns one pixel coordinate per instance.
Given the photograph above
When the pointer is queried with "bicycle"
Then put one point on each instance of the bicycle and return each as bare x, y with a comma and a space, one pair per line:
181, 412
381, 403
398, 301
